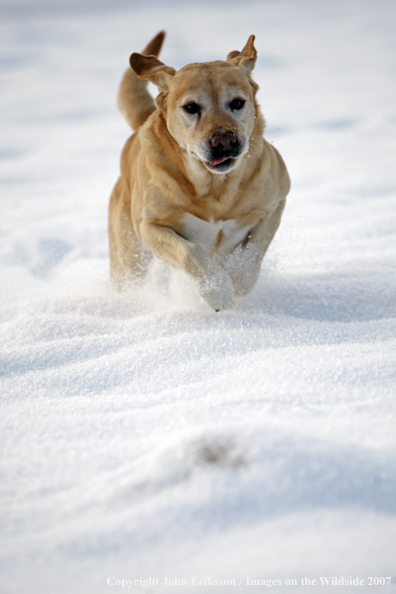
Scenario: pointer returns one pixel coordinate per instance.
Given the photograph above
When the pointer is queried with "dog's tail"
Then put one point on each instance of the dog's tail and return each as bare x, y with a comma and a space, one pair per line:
134, 101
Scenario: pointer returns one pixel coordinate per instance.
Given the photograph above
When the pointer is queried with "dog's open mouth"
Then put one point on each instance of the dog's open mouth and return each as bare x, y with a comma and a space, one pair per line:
218, 161
222, 164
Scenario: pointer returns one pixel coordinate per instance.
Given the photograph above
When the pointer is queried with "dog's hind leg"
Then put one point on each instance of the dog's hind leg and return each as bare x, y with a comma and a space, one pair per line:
129, 259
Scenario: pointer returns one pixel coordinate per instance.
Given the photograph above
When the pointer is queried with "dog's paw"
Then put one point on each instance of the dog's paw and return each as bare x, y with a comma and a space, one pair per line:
218, 292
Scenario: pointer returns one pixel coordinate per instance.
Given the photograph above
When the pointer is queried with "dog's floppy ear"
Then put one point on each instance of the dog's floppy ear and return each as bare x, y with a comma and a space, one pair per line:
246, 58
152, 69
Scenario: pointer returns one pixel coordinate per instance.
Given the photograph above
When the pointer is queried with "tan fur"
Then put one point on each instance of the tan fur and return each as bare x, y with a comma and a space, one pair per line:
179, 196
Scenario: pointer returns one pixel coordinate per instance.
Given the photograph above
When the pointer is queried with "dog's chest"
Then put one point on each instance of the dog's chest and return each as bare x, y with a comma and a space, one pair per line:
211, 235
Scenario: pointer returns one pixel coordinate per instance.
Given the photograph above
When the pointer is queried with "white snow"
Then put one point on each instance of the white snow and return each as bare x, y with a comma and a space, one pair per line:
144, 436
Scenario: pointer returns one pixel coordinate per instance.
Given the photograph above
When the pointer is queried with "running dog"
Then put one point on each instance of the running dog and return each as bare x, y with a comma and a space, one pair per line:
200, 187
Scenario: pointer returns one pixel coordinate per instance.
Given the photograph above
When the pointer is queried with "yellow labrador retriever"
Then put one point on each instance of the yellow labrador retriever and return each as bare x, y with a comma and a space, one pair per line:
200, 187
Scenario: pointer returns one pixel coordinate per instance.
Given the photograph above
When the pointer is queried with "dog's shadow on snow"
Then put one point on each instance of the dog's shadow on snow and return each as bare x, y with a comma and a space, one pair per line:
335, 297
361, 297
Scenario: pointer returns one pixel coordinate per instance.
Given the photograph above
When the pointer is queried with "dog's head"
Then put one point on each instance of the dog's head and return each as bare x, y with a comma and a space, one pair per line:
209, 107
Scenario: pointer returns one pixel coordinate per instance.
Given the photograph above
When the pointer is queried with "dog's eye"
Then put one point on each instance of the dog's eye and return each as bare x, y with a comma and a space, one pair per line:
237, 104
191, 108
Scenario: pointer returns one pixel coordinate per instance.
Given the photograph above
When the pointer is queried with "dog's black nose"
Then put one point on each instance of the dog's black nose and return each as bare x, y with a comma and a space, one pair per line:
225, 139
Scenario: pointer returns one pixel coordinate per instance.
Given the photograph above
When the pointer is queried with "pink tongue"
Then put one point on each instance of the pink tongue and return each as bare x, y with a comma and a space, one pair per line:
217, 161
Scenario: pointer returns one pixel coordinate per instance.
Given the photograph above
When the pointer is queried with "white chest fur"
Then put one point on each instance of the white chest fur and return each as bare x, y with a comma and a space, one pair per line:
211, 235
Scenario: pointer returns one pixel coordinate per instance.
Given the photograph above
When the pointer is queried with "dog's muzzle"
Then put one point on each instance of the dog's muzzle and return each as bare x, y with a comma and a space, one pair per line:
224, 148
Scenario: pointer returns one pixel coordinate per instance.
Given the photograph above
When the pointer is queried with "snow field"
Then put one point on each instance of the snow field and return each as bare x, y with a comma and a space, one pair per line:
142, 434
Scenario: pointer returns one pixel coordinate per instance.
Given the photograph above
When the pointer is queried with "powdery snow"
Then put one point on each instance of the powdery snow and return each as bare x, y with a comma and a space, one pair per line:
144, 436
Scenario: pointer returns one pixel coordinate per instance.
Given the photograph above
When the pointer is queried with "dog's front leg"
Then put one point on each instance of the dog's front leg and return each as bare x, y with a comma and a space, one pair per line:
244, 263
214, 283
